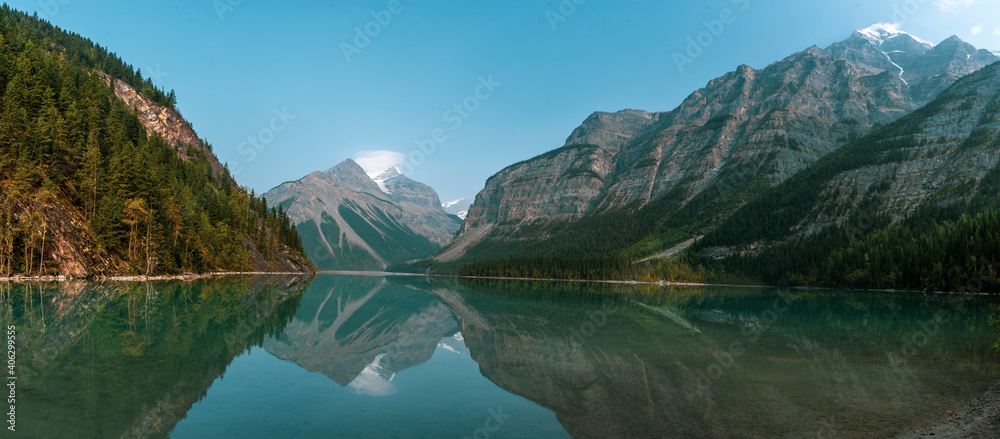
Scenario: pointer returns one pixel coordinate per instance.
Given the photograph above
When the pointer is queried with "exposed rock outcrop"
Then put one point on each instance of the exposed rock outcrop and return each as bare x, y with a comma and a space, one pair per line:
164, 121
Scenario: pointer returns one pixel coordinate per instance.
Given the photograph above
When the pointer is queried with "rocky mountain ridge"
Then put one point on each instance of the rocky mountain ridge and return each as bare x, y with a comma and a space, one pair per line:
162, 120
746, 130
459, 207
351, 221
944, 154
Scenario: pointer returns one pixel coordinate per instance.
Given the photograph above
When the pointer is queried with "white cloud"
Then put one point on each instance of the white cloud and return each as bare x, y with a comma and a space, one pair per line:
977, 29
996, 30
374, 162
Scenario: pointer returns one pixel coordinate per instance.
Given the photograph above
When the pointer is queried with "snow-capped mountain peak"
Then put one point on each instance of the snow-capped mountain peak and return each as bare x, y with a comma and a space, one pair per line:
895, 45
460, 207
381, 177
387, 174
879, 33
452, 203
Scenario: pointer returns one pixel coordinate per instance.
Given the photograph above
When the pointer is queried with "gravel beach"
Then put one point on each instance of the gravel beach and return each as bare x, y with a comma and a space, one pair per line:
981, 419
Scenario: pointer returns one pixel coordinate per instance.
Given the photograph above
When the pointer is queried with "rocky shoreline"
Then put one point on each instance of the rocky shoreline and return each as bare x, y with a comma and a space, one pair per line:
181, 277
981, 419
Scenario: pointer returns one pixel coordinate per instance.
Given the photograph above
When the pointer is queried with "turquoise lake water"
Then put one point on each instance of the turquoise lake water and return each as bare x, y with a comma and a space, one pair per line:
378, 357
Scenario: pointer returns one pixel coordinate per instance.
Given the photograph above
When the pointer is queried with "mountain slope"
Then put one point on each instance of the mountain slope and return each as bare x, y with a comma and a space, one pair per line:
101, 180
349, 221
639, 183
927, 69
913, 205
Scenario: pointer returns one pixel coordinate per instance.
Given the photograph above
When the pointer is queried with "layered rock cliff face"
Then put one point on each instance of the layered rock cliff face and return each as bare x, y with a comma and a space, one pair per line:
164, 121
747, 126
926, 68
947, 152
949, 148
348, 222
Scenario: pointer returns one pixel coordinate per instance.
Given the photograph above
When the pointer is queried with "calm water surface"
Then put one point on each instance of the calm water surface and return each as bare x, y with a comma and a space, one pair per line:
360, 357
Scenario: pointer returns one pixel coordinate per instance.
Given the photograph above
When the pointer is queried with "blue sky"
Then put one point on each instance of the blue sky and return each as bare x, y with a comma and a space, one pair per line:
523, 73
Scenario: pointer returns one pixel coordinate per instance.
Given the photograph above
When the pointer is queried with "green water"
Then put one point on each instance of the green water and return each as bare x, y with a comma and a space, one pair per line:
359, 357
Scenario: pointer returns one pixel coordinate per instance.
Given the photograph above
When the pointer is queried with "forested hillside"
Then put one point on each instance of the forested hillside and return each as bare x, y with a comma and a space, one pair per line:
87, 190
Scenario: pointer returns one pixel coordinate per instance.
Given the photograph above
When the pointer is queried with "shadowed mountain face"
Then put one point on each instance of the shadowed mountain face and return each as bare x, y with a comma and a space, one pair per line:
361, 331
129, 360
721, 363
350, 221
694, 165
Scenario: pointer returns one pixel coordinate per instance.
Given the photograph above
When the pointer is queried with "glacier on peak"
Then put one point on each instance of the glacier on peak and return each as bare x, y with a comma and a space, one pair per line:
381, 177
879, 33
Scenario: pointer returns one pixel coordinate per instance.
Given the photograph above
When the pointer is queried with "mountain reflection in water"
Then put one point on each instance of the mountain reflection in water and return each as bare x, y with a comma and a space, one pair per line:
354, 356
